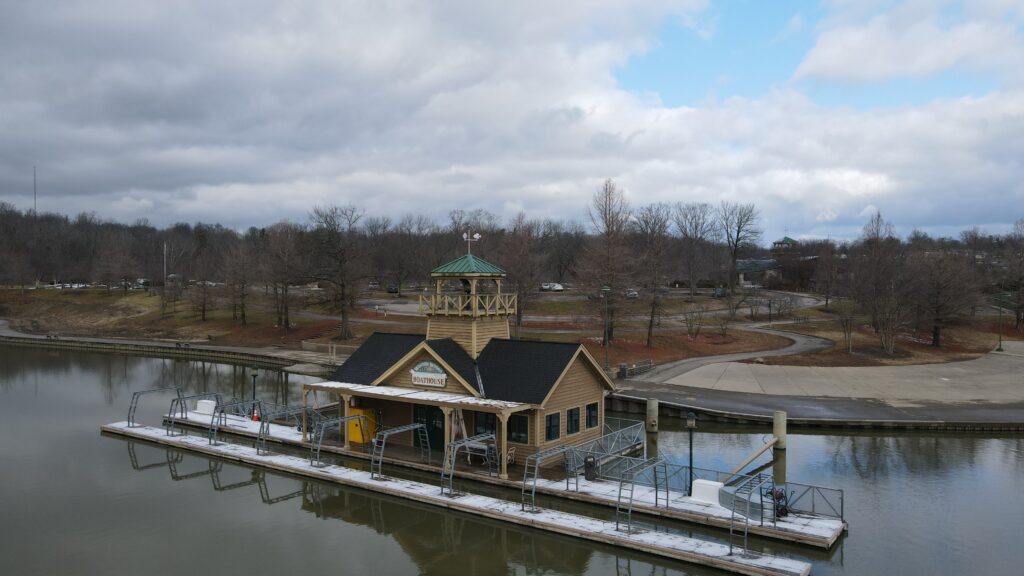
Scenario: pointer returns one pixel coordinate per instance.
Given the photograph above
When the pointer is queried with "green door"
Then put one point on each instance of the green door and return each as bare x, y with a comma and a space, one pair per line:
434, 419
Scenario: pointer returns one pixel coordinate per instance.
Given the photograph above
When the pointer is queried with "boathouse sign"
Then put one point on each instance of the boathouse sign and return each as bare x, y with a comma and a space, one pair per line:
427, 373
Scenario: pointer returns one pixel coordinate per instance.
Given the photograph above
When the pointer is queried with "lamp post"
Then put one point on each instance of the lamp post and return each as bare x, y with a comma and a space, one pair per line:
604, 294
254, 390
691, 423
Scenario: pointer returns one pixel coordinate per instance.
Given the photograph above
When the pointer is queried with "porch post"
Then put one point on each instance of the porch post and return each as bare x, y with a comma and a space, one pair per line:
447, 426
305, 393
503, 444
344, 399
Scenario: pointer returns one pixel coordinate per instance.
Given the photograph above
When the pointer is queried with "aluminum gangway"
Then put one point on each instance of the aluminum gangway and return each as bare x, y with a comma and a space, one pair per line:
316, 442
135, 400
627, 489
179, 409
472, 445
380, 441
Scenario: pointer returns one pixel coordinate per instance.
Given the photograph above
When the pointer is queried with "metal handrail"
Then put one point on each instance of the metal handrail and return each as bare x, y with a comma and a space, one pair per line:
827, 497
135, 401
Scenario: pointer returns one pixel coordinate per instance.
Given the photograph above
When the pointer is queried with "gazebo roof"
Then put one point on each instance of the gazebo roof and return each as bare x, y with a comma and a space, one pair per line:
467, 265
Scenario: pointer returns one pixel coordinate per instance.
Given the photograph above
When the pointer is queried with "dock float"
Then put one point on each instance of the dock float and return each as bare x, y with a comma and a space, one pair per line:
662, 544
816, 531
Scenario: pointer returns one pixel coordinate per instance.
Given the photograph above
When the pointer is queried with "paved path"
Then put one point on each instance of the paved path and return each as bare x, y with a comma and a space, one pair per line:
801, 343
986, 390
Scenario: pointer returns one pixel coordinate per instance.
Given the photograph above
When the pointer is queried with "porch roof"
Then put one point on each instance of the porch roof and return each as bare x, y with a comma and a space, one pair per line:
419, 396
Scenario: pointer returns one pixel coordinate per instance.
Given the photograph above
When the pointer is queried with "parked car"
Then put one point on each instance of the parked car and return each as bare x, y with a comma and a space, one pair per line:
632, 294
373, 285
393, 288
556, 287
719, 292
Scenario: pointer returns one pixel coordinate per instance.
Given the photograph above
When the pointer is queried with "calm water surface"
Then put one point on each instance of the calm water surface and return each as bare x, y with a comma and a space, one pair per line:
73, 501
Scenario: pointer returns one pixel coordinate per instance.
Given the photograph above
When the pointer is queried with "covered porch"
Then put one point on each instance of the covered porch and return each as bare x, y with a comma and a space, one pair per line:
445, 416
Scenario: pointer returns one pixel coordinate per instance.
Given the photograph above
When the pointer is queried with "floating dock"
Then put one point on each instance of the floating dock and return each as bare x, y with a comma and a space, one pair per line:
817, 531
663, 544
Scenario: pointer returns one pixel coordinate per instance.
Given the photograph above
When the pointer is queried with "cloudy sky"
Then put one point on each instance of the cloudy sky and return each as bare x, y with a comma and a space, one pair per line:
254, 111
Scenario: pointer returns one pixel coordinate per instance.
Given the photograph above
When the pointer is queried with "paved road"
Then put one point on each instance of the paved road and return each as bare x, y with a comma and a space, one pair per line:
801, 343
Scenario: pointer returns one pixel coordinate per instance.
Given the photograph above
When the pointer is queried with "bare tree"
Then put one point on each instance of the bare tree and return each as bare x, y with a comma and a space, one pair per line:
1013, 276
337, 257
826, 271
738, 226
521, 259
695, 222
606, 258
693, 318
284, 265
944, 288
847, 310
652, 229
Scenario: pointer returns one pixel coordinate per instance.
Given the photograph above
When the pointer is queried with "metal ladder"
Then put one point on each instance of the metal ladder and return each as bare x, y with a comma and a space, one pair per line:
451, 455
135, 401
741, 500
531, 471
380, 441
624, 508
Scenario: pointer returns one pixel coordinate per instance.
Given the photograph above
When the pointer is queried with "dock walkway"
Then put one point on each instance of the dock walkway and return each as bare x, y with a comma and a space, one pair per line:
817, 531
663, 544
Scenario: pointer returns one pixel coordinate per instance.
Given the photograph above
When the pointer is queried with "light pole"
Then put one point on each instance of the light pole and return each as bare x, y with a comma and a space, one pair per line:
604, 294
691, 423
254, 391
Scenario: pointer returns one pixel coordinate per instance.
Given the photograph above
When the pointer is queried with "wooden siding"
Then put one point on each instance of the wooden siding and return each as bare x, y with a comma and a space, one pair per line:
458, 329
487, 328
580, 386
471, 334
402, 378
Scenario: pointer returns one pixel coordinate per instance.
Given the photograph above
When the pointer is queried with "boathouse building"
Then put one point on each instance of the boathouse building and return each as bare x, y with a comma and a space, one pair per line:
466, 377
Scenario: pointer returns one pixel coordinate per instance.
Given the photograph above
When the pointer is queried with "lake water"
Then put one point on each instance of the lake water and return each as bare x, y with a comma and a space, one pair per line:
75, 501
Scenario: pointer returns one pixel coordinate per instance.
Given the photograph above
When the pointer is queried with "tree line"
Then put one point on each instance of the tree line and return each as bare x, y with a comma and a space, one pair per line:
894, 282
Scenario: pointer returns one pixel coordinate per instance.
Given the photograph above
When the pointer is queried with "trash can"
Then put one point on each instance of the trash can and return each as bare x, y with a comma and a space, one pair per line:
590, 468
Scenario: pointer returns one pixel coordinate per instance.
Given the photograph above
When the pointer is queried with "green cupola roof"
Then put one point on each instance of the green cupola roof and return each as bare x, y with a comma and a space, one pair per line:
467, 265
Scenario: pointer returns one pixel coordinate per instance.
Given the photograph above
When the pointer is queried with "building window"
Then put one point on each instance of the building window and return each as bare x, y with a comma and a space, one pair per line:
591, 415
484, 423
572, 421
552, 425
519, 429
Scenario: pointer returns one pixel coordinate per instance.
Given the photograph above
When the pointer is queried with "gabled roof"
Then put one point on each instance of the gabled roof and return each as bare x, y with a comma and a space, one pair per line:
454, 356
523, 370
786, 240
375, 356
467, 265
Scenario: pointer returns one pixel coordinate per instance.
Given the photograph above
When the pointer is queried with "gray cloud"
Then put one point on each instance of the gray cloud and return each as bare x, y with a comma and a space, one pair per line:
249, 112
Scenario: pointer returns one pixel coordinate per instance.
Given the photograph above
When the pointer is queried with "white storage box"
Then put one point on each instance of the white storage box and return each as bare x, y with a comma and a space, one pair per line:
205, 407
706, 491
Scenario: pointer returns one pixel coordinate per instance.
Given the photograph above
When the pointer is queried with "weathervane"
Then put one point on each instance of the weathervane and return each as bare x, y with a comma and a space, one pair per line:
469, 240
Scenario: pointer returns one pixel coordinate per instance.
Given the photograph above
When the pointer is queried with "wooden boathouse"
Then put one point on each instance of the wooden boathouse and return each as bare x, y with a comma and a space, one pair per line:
466, 377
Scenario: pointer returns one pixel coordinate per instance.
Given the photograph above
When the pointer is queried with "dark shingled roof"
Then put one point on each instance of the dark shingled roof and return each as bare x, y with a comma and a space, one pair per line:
456, 357
375, 356
512, 370
523, 370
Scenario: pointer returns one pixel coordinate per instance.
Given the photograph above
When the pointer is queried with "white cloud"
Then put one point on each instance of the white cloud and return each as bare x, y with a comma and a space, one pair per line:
914, 39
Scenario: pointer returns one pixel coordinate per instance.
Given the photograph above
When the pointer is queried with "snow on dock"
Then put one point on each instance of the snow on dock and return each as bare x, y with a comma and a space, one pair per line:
659, 543
812, 530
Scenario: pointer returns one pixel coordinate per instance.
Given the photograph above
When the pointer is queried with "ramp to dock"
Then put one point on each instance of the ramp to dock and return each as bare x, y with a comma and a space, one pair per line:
658, 543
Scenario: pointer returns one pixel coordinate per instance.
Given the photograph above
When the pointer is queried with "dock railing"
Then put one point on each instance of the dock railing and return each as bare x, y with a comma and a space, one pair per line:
817, 500
619, 436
